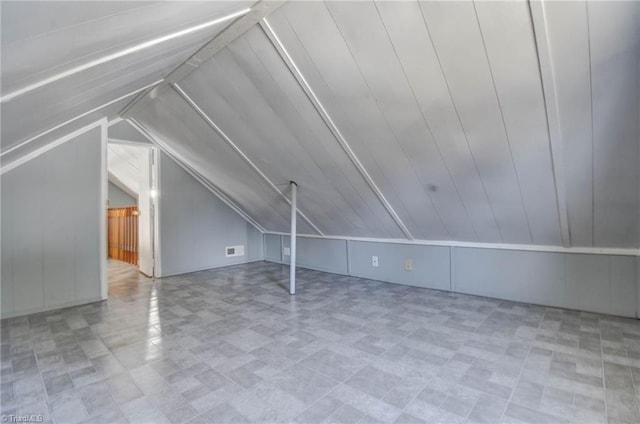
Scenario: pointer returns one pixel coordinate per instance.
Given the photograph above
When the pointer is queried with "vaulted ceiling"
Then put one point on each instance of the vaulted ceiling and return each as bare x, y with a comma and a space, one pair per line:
499, 122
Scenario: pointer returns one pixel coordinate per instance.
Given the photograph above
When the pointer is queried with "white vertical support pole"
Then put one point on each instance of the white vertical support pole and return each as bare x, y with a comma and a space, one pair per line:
292, 264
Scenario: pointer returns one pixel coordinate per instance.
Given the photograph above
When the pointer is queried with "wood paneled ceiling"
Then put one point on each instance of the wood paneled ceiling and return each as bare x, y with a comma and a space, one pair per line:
493, 122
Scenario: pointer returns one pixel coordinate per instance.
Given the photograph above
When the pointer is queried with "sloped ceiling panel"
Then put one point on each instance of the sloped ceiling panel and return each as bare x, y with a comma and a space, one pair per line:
595, 51
444, 104
110, 112
170, 119
43, 38
56, 37
615, 47
249, 93
124, 161
41, 109
366, 63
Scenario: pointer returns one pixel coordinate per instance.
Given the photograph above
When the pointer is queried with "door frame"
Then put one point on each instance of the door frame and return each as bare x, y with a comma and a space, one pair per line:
154, 180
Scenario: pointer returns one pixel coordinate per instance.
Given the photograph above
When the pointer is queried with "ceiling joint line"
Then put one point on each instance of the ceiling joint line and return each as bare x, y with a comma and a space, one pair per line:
179, 159
425, 120
504, 123
552, 112
593, 177
239, 151
393, 131
459, 118
125, 52
315, 101
109, 103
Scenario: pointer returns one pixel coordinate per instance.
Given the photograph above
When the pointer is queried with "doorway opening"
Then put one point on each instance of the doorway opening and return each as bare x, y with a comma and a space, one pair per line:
131, 207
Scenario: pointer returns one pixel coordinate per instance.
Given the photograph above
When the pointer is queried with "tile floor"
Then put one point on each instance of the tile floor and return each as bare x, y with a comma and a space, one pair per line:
230, 345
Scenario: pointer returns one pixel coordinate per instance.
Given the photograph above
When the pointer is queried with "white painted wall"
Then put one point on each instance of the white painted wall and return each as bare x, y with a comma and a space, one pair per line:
323, 255
607, 284
594, 283
51, 223
119, 198
196, 226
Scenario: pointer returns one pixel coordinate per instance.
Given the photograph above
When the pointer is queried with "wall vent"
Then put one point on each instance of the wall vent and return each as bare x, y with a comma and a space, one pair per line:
230, 251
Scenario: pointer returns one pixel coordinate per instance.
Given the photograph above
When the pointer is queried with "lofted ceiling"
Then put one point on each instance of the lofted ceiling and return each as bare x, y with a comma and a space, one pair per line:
50, 41
493, 122
124, 164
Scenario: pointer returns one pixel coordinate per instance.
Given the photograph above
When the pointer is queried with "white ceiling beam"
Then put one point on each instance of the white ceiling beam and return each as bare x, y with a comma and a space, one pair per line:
295, 71
184, 164
240, 153
121, 53
235, 29
550, 94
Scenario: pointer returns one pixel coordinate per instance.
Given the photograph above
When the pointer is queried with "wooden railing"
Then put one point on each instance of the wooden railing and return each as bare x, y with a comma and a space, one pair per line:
123, 234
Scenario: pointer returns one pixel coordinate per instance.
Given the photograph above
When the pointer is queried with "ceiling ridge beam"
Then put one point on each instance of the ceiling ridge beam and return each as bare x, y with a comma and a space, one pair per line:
82, 115
552, 112
184, 164
239, 151
326, 118
235, 29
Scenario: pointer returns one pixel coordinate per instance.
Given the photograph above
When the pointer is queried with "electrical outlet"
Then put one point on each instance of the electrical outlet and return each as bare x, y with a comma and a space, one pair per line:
287, 251
374, 261
408, 264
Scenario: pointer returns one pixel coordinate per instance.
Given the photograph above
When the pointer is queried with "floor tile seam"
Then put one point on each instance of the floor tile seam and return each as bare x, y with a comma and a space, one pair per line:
299, 362
604, 382
415, 397
326, 395
515, 387
47, 399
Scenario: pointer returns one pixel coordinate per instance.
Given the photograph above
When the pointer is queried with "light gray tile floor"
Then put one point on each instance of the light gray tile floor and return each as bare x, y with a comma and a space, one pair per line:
230, 345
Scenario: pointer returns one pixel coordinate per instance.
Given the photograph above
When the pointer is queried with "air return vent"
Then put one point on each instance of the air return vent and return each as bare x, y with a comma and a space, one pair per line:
230, 251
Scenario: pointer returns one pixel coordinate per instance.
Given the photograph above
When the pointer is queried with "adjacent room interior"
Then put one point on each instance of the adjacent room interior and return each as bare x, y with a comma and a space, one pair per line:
320, 211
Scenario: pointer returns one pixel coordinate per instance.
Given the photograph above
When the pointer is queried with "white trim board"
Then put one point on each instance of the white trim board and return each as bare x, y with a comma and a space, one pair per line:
501, 246
234, 263
44, 149
104, 204
114, 121
552, 113
53, 307
154, 151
